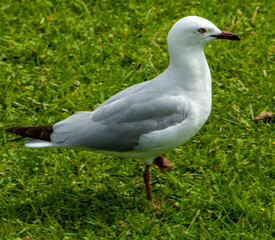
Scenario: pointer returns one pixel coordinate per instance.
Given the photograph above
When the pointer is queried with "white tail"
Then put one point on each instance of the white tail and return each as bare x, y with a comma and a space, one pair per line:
38, 144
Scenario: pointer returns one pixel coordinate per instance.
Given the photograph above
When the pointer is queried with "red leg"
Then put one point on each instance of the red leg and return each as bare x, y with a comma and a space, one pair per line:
162, 163
146, 177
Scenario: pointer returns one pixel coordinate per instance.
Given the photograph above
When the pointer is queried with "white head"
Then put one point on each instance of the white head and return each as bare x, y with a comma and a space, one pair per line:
193, 32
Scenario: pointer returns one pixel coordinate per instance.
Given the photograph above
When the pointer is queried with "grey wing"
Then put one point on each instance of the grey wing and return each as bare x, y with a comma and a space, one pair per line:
118, 125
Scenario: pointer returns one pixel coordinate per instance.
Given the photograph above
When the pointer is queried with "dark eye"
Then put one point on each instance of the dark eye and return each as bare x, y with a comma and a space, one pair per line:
202, 30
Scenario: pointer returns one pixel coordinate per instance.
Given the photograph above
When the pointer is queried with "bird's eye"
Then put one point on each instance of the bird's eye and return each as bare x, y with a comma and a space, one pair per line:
202, 30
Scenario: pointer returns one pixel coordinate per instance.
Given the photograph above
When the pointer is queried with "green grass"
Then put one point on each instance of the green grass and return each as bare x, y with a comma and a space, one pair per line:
59, 57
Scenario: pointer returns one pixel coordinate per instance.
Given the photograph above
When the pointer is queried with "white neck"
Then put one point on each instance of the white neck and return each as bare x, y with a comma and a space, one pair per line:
191, 72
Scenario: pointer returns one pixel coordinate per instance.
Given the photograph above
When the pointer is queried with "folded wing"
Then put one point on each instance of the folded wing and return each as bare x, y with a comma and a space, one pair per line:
118, 124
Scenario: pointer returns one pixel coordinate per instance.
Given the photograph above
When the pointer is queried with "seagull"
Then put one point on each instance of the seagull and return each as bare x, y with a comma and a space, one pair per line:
148, 119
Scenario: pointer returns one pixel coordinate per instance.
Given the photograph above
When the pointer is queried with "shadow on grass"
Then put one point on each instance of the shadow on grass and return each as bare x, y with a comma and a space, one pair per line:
67, 205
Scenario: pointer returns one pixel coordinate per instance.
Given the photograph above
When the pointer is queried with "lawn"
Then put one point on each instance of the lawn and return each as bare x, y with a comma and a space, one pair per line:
59, 57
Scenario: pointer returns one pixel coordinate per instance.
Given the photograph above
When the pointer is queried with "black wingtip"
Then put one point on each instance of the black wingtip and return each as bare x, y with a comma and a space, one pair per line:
37, 132
10, 129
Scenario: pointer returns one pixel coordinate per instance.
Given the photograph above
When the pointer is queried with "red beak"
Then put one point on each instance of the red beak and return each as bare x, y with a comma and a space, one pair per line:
226, 35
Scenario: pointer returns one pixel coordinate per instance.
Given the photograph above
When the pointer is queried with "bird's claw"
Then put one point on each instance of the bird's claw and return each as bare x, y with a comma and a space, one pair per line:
162, 163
